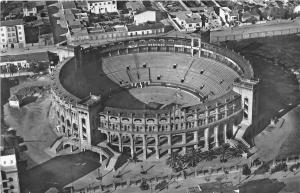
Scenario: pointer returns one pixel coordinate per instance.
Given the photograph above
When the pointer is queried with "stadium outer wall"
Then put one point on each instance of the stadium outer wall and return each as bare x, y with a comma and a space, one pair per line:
202, 126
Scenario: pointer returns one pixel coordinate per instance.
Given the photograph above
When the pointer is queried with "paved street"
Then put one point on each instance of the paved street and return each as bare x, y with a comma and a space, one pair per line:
28, 50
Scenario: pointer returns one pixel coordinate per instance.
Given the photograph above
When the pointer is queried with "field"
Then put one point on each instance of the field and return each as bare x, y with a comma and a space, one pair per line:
59, 171
164, 96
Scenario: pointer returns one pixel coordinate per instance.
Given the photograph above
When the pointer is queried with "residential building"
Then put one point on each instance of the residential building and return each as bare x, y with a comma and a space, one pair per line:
18, 64
12, 34
144, 17
99, 34
98, 7
145, 29
29, 9
187, 20
9, 172
15, 101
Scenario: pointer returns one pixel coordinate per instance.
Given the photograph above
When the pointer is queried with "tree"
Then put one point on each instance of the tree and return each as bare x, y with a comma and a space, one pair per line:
13, 68
175, 161
162, 185
144, 185
246, 170
209, 155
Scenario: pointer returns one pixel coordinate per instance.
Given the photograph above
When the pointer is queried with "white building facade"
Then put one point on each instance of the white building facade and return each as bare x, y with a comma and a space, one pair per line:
98, 7
12, 34
187, 21
29, 11
9, 174
144, 17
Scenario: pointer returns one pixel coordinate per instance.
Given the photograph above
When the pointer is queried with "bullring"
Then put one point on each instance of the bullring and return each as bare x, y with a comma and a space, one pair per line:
153, 96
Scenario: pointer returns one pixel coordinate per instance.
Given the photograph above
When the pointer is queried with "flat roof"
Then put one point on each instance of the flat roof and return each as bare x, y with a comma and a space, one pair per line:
255, 28
11, 23
145, 27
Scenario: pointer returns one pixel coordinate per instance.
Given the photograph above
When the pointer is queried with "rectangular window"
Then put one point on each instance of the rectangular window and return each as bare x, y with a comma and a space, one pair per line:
83, 130
20, 38
19, 27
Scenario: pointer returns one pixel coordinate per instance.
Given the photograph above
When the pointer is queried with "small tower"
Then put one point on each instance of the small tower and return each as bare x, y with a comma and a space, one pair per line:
78, 56
248, 91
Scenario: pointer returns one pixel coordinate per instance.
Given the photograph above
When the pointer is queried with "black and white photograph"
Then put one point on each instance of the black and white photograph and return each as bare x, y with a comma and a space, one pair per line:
150, 96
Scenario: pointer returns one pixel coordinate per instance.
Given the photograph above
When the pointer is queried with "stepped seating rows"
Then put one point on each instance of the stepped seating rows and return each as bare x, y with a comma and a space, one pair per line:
216, 77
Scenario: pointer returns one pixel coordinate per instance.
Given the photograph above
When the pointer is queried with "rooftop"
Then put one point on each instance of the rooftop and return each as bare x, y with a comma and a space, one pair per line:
145, 27
255, 28
29, 5
187, 16
68, 4
12, 22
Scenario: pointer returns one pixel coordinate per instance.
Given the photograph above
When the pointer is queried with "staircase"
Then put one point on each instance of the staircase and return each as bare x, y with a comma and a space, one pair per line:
57, 145
112, 156
190, 65
129, 76
238, 135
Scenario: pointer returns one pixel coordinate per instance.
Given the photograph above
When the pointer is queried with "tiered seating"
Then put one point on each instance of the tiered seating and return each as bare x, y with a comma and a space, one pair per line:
209, 76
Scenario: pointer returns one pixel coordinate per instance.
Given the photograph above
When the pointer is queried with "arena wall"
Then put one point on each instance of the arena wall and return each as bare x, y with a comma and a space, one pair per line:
148, 132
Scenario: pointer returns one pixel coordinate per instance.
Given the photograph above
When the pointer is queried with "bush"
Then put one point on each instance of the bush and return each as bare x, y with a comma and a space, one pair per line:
246, 170
294, 167
279, 167
144, 185
162, 185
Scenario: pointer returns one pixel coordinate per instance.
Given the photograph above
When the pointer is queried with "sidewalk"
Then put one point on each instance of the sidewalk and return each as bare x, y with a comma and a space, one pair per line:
28, 50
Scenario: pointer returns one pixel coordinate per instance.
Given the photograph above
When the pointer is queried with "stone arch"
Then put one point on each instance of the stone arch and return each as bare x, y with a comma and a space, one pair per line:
114, 138
163, 140
63, 129
138, 140
75, 126
126, 139
68, 123
150, 140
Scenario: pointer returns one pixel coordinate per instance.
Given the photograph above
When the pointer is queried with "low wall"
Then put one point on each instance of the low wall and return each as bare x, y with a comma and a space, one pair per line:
185, 174
273, 28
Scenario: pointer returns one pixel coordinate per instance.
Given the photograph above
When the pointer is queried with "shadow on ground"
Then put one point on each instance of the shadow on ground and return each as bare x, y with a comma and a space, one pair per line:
262, 186
271, 58
59, 171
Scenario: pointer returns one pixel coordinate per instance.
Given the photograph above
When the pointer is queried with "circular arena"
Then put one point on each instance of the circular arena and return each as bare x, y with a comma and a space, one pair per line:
152, 96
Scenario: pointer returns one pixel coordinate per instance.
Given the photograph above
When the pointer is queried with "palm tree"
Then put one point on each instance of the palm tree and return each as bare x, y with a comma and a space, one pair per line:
224, 152
175, 161
209, 155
